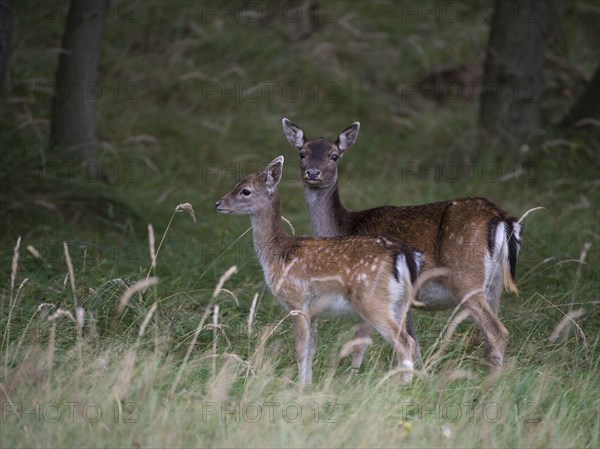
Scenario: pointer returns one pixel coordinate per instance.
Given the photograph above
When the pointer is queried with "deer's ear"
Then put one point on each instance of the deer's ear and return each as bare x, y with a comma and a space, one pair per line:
348, 137
294, 134
274, 171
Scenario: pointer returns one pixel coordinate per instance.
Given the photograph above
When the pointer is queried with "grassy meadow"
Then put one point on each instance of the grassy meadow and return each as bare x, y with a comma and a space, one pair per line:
101, 347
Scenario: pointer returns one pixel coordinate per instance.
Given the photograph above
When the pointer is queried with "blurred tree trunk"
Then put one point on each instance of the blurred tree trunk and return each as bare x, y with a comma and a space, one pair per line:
512, 81
587, 105
6, 20
73, 124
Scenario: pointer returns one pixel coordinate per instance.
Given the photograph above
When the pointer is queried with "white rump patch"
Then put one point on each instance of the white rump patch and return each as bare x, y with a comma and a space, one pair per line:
494, 272
402, 268
517, 230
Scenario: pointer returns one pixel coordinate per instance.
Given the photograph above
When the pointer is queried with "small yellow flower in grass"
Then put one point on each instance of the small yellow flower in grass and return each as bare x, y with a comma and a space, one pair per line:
187, 207
405, 427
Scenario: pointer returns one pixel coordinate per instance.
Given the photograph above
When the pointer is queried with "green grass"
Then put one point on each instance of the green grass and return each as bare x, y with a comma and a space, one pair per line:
168, 139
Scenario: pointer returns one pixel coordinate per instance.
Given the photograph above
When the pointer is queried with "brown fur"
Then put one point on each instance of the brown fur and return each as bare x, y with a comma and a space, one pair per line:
367, 275
458, 234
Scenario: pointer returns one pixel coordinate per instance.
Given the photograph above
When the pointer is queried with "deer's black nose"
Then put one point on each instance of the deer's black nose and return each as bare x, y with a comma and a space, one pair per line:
218, 203
312, 173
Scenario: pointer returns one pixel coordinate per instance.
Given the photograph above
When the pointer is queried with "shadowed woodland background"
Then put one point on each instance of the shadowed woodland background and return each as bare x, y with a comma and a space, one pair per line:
112, 113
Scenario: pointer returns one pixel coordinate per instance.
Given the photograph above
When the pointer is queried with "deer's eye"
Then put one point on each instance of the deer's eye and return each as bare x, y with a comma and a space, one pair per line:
246, 192
302, 155
334, 157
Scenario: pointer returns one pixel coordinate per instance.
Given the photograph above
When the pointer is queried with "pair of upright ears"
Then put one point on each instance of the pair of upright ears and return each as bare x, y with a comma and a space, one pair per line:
297, 138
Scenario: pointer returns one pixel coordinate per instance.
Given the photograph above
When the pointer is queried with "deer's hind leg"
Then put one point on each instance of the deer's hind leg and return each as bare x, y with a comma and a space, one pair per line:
494, 333
384, 318
476, 283
363, 330
404, 346
412, 331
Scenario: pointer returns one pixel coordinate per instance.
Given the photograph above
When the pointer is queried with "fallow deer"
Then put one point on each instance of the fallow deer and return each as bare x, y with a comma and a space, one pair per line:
367, 275
473, 238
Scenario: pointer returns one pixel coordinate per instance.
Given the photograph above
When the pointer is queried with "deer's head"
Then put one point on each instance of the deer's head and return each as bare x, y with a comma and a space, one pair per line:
253, 193
319, 158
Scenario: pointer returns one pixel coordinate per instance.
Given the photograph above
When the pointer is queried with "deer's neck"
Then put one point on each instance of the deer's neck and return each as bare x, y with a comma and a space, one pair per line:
269, 236
327, 214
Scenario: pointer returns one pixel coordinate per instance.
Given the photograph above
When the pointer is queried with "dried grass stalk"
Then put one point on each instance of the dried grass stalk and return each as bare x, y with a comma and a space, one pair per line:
258, 356
22, 337
137, 287
455, 319
187, 207
11, 303
284, 275
15, 264
147, 319
93, 327
251, 314
200, 326
151, 242
399, 370
289, 223
581, 263
71, 271
51, 347
123, 383
533, 209
215, 336
291, 313
348, 348
224, 278
220, 385
230, 293
34, 252
425, 277
79, 320
12, 306
61, 313
566, 320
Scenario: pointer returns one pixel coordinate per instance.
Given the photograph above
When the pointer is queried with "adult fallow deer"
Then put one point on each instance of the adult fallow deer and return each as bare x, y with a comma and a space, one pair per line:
473, 238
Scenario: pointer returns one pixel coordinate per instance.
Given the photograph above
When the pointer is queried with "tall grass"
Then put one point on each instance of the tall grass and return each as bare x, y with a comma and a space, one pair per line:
241, 391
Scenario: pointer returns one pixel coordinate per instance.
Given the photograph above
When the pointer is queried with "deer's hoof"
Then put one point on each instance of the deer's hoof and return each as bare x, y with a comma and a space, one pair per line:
407, 376
495, 360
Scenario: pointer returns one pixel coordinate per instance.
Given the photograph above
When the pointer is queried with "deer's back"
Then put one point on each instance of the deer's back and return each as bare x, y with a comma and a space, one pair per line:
431, 228
348, 267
